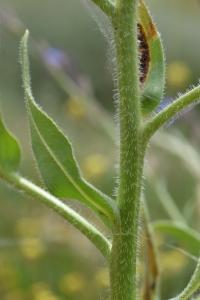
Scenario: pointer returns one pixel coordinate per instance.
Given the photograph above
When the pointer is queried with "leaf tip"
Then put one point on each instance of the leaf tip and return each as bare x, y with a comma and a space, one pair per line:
24, 61
24, 46
25, 37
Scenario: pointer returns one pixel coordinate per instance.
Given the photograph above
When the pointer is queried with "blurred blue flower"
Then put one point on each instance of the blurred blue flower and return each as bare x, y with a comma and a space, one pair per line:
61, 61
164, 104
55, 57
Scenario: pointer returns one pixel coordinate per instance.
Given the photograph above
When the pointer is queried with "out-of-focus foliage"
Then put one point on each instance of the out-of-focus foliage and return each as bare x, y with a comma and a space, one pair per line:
42, 257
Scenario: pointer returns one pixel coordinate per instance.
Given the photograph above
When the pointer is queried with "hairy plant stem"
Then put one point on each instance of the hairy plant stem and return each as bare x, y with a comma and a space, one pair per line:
189, 98
124, 250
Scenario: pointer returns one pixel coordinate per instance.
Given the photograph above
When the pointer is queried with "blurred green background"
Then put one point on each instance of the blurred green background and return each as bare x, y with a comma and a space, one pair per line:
42, 257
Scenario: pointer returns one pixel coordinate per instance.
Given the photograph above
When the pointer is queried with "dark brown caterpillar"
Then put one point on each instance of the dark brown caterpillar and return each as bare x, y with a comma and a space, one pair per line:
144, 58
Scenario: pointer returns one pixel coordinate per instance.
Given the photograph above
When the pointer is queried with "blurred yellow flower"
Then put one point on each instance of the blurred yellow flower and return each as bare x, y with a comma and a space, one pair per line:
14, 295
95, 165
8, 274
28, 227
72, 283
41, 291
75, 108
172, 261
32, 248
178, 74
102, 277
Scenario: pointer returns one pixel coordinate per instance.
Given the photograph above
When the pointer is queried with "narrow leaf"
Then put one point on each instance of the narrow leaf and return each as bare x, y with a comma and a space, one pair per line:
192, 287
168, 202
151, 274
54, 154
188, 238
9, 150
152, 61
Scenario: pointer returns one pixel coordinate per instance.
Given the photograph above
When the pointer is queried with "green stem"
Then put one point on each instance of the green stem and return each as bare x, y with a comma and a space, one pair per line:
125, 235
106, 6
171, 111
94, 235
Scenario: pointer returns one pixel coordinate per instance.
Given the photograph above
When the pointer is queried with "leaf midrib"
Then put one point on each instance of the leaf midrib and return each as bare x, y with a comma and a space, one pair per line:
63, 170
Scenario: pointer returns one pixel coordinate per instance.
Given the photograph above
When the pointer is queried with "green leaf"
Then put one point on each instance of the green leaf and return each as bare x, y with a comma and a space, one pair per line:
54, 154
9, 150
152, 60
188, 238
